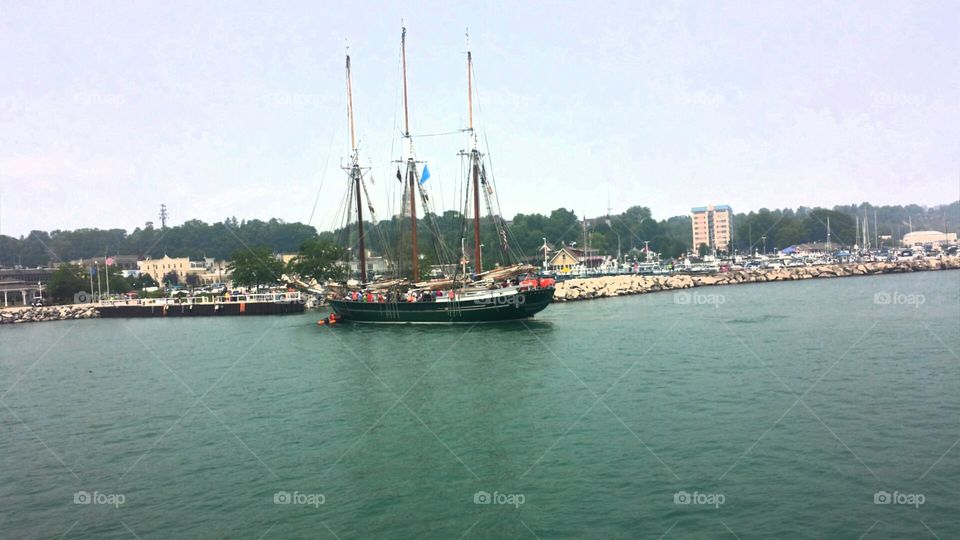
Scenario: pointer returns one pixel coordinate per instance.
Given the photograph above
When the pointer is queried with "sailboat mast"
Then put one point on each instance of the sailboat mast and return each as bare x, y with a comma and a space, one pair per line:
475, 166
353, 136
403, 54
411, 167
355, 176
470, 89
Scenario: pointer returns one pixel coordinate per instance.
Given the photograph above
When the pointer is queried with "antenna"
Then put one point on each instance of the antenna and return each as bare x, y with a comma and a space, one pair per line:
163, 216
608, 199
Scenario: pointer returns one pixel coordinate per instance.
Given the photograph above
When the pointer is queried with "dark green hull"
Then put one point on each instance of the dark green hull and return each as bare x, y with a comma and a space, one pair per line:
525, 305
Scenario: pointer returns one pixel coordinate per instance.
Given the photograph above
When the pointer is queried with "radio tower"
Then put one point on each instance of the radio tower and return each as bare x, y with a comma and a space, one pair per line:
163, 216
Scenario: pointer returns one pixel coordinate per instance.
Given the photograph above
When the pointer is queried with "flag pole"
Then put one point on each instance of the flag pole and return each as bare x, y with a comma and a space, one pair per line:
106, 268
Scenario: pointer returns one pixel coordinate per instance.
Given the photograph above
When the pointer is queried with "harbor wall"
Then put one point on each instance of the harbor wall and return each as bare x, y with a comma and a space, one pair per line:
17, 315
608, 286
597, 287
47, 313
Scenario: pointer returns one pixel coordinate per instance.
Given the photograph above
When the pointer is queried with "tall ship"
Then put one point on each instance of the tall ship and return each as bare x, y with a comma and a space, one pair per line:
454, 292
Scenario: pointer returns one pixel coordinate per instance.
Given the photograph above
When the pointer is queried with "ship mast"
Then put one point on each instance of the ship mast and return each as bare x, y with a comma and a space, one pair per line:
355, 175
411, 166
475, 168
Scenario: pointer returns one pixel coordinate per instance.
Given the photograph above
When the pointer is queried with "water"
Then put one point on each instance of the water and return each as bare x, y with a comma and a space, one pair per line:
595, 417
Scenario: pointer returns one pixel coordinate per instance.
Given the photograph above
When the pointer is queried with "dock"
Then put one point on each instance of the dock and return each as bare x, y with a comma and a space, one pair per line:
204, 306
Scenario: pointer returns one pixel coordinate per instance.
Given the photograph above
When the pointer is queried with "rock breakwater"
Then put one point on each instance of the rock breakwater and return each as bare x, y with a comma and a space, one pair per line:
47, 313
608, 286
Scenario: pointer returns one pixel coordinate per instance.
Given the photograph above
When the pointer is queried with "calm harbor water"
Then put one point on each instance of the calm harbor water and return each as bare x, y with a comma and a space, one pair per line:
777, 410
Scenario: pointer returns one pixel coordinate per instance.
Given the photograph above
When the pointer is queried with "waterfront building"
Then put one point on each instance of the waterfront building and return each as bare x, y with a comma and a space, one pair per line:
14, 288
27, 275
157, 268
920, 238
568, 259
712, 226
375, 266
123, 262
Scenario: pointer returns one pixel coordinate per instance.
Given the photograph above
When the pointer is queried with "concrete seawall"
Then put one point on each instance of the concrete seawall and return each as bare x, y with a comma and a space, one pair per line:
608, 286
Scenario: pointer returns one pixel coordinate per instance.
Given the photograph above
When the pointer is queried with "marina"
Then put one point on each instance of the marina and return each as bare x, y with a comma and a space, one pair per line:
499, 270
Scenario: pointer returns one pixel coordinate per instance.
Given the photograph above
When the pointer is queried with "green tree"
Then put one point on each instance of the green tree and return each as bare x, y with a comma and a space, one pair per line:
255, 266
563, 226
143, 281
843, 228
319, 259
67, 281
171, 278
791, 233
118, 283
703, 249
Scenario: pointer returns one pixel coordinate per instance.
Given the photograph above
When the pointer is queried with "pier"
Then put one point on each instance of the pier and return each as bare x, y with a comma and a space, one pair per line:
243, 304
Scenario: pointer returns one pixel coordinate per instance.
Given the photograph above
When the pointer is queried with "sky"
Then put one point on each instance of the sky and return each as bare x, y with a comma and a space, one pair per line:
218, 109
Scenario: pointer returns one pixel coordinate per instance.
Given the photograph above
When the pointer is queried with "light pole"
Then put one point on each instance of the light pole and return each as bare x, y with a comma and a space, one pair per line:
544, 252
764, 238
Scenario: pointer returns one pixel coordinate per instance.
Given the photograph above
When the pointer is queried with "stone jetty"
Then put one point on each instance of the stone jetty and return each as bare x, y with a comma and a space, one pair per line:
607, 286
47, 313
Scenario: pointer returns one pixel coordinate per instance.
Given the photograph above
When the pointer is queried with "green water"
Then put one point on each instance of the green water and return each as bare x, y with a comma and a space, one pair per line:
787, 406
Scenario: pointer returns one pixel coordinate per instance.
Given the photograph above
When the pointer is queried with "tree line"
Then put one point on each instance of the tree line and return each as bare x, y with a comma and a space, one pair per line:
630, 232
195, 239
439, 235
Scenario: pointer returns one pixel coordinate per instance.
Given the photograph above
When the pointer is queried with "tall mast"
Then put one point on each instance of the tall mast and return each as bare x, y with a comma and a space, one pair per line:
353, 136
470, 89
355, 176
411, 166
406, 114
475, 166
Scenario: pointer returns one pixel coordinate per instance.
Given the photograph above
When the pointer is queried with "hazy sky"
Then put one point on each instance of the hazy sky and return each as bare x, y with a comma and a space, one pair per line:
219, 109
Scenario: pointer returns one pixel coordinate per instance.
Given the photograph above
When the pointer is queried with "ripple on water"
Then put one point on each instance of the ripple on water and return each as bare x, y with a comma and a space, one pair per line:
691, 400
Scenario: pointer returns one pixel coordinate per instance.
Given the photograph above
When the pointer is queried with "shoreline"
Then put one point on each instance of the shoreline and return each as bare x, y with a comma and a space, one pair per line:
574, 290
